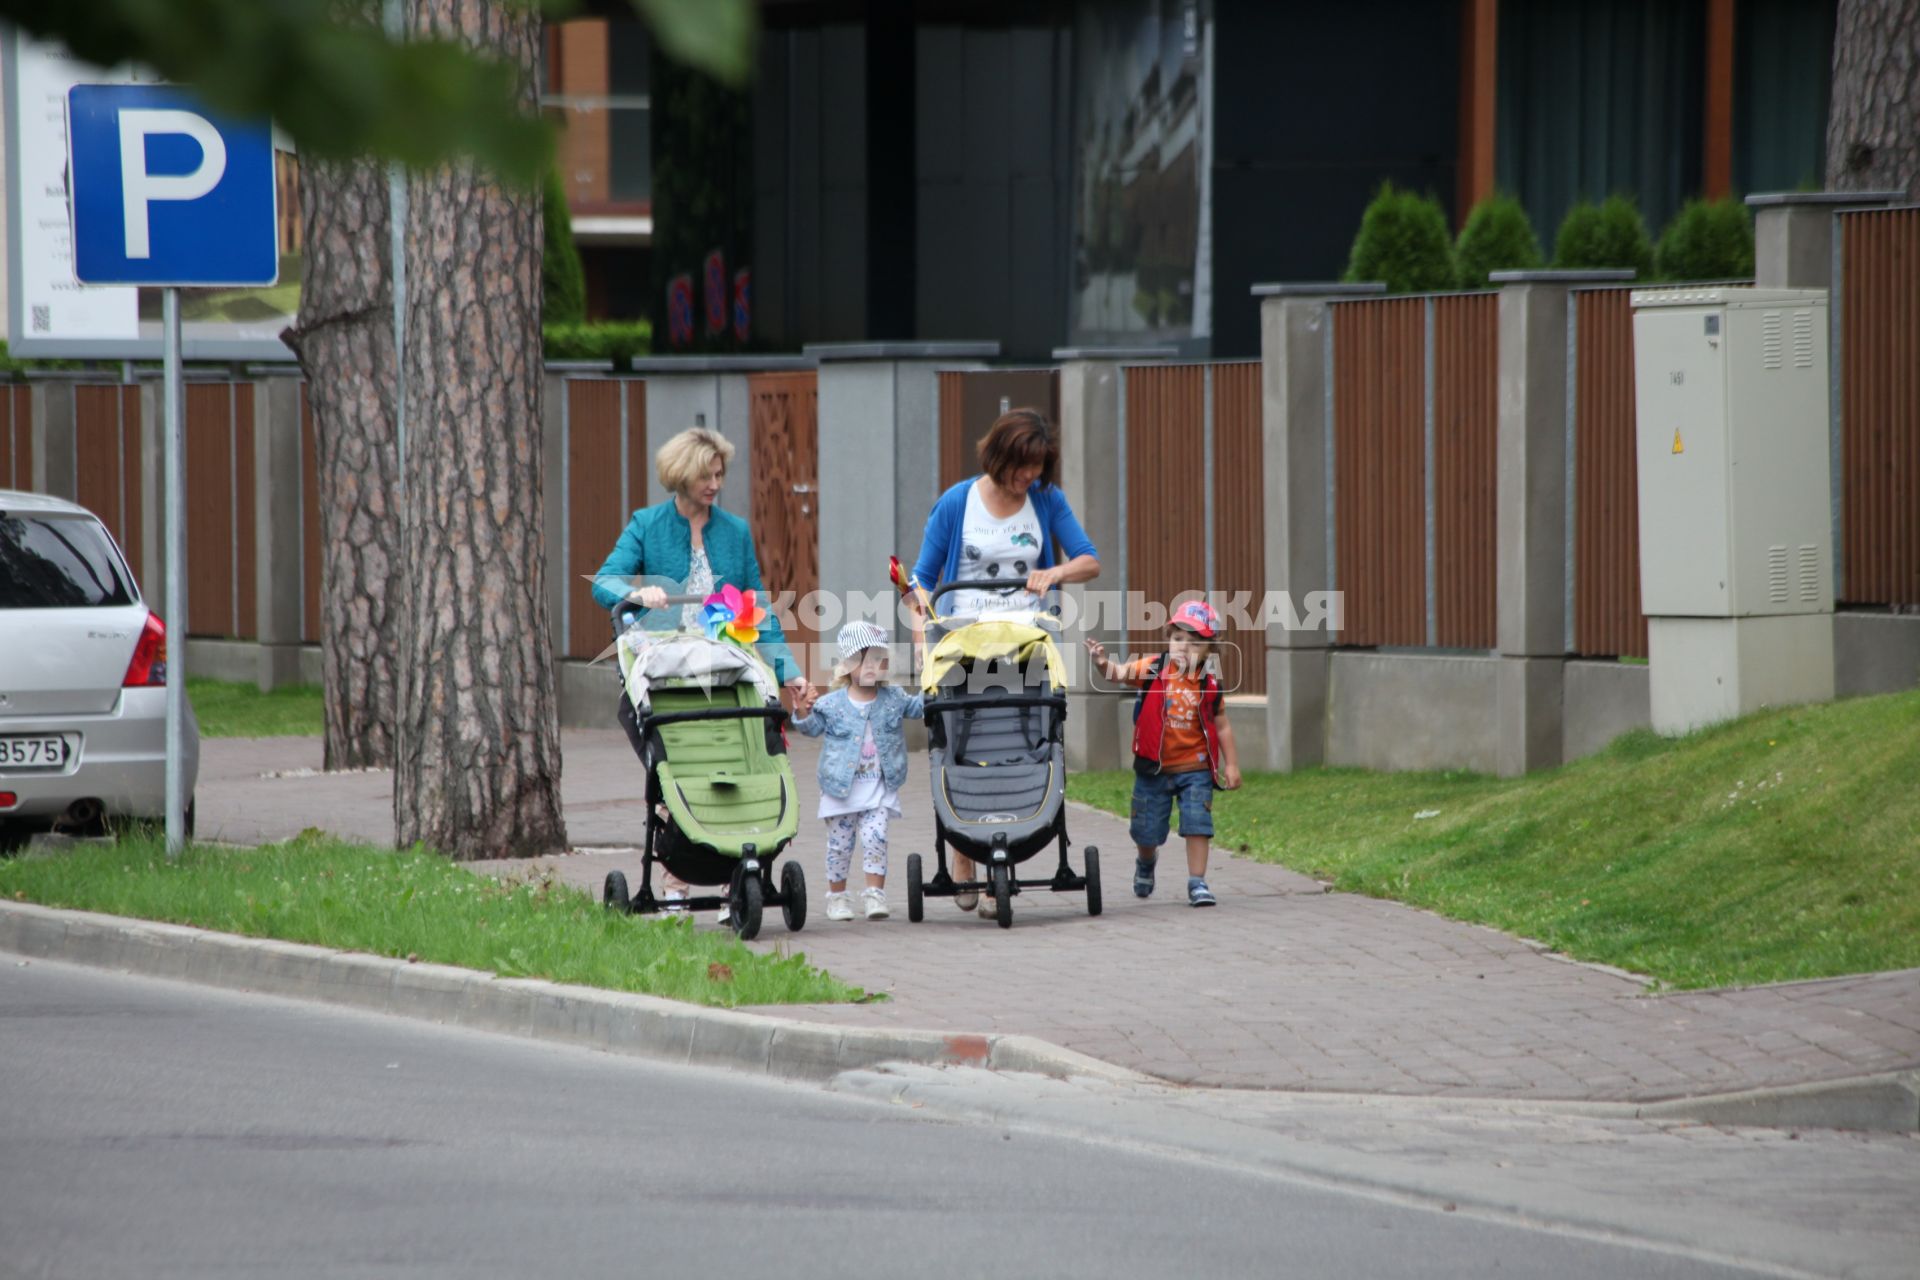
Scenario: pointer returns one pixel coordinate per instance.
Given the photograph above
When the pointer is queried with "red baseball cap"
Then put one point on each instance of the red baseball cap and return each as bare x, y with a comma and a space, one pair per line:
1198, 617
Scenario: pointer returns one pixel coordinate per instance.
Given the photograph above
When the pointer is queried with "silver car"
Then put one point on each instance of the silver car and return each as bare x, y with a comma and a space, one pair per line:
83, 672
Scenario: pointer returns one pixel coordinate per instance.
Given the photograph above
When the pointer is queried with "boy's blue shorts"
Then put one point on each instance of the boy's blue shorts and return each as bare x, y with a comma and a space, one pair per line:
1153, 797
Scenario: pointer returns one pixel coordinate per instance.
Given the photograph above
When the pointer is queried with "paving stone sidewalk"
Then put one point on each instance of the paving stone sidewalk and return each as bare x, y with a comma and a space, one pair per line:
1283, 985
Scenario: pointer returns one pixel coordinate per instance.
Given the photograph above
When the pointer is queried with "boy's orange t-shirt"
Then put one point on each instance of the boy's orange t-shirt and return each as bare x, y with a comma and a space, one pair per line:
1183, 741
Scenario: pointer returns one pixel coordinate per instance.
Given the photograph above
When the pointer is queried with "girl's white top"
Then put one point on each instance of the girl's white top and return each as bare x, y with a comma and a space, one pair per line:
869, 790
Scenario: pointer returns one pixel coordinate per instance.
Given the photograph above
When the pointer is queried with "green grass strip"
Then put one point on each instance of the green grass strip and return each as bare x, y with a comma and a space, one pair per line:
228, 709
416, 905
1782, 846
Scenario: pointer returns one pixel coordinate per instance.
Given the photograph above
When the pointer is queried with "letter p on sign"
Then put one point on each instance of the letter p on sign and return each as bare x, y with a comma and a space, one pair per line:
165, 193
138, 188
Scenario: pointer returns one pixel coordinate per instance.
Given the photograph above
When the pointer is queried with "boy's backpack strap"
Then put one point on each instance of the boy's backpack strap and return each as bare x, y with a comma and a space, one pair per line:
1140, 694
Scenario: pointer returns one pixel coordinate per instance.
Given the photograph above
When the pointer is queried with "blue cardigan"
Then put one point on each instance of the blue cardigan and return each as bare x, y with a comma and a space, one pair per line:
939, 559
658, 544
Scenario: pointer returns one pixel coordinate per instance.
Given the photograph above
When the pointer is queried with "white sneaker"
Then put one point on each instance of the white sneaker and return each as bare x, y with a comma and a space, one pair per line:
674, 904
873, 900
724, 917
839, 907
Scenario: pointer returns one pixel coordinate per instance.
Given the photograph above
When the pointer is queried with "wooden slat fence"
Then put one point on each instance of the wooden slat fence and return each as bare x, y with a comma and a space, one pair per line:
16, 437
1379, 446
606, 469
1607, 621
1878, 368
220, 510
1166, 490
107, 457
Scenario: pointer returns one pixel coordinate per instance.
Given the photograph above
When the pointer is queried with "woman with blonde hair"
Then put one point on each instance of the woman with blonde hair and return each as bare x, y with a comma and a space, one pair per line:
697, 547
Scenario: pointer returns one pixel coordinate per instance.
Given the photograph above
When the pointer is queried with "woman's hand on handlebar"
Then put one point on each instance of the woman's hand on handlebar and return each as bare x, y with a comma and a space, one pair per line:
1041, 581
649, 597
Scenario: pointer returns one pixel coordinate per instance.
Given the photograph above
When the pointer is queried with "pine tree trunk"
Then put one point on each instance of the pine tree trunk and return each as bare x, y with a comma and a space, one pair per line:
478, 768
344, 338
1873, 125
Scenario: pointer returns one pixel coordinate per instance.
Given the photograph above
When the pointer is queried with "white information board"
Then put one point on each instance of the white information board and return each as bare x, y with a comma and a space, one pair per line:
52, 315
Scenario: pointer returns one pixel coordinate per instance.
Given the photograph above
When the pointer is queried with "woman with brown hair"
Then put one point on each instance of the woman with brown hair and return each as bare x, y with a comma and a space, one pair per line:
1009, 524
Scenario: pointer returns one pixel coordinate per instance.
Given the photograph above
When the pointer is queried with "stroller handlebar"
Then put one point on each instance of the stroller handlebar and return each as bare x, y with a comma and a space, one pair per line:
974, 584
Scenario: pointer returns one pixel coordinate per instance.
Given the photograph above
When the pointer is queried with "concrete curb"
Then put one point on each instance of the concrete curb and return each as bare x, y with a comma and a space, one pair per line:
611, 1021
670, 1031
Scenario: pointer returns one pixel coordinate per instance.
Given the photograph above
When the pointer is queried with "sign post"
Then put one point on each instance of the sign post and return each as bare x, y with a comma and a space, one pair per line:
174, 443
164, 194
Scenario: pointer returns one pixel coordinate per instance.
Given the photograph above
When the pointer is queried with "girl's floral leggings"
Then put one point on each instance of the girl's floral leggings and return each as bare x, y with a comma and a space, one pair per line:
871, 825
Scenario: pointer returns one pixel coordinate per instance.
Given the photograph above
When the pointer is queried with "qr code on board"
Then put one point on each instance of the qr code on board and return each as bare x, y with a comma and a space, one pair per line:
42, 318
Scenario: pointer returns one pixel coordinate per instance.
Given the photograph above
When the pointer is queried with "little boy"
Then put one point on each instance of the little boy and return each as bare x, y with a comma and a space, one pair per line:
1182, 745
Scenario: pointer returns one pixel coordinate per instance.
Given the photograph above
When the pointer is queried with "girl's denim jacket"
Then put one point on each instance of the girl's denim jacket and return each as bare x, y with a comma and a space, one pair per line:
836, 717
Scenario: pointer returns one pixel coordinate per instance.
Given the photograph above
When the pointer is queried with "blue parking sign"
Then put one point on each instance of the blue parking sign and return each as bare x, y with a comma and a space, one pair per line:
163, 192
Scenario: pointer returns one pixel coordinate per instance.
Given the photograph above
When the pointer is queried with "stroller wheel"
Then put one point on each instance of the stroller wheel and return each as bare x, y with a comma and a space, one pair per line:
745, 906
793, 896
1092, 859
916, 902
1002, 878
614, 896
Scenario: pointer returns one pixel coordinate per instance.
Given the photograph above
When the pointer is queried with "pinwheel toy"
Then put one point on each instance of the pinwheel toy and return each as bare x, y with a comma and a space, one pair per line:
732, 614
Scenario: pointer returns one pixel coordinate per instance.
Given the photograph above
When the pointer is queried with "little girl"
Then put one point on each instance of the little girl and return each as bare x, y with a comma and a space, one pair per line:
862, 765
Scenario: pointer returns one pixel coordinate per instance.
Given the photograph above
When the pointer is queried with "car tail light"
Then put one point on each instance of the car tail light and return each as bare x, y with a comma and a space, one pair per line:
8, 799
149, 665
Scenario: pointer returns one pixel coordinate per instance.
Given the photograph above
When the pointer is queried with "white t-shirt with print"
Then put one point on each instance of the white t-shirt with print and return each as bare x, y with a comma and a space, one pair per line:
1005, 550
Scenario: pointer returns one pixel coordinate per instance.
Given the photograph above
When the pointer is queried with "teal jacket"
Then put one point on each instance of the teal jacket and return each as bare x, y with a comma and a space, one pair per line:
656, 549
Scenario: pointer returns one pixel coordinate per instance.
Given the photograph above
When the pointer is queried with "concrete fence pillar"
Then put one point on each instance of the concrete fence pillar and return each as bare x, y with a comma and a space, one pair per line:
1793, 234
1092, 395
1296, 361
153, 498
279, 548
55, 433
879, 455
1533, 454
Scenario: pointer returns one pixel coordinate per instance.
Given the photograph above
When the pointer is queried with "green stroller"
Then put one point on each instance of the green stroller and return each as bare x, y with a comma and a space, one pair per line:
720, 798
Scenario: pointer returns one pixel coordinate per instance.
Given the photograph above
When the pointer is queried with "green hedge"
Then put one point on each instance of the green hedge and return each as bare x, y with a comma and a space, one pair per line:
10, 365
1497, 237
617, 340
1404, 242
1707, 240
1609, 234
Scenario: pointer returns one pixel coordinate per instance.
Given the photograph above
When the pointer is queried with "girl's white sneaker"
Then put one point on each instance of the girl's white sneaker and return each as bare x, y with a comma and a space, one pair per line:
839, 906
873, 900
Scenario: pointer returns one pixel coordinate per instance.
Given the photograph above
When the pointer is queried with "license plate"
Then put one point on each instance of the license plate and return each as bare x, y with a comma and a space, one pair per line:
22, 752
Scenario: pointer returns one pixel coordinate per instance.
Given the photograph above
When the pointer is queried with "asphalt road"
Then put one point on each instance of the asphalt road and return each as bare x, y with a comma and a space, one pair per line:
155, 1129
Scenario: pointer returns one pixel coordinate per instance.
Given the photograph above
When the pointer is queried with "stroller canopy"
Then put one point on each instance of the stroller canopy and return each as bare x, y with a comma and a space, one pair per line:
992, 640
648, 656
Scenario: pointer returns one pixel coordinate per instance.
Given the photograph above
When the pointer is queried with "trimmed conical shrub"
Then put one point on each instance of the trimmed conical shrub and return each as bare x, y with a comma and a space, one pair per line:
1497, 237
1609, 234
1707, 240
1403, 241
563, 280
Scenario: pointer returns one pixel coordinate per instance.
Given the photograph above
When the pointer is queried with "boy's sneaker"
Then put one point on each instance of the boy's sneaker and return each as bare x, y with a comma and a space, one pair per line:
1142, 878
873, 900
839, 906
1198, 895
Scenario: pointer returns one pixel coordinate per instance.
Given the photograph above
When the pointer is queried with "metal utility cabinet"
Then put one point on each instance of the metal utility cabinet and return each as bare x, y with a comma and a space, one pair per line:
1736, 554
